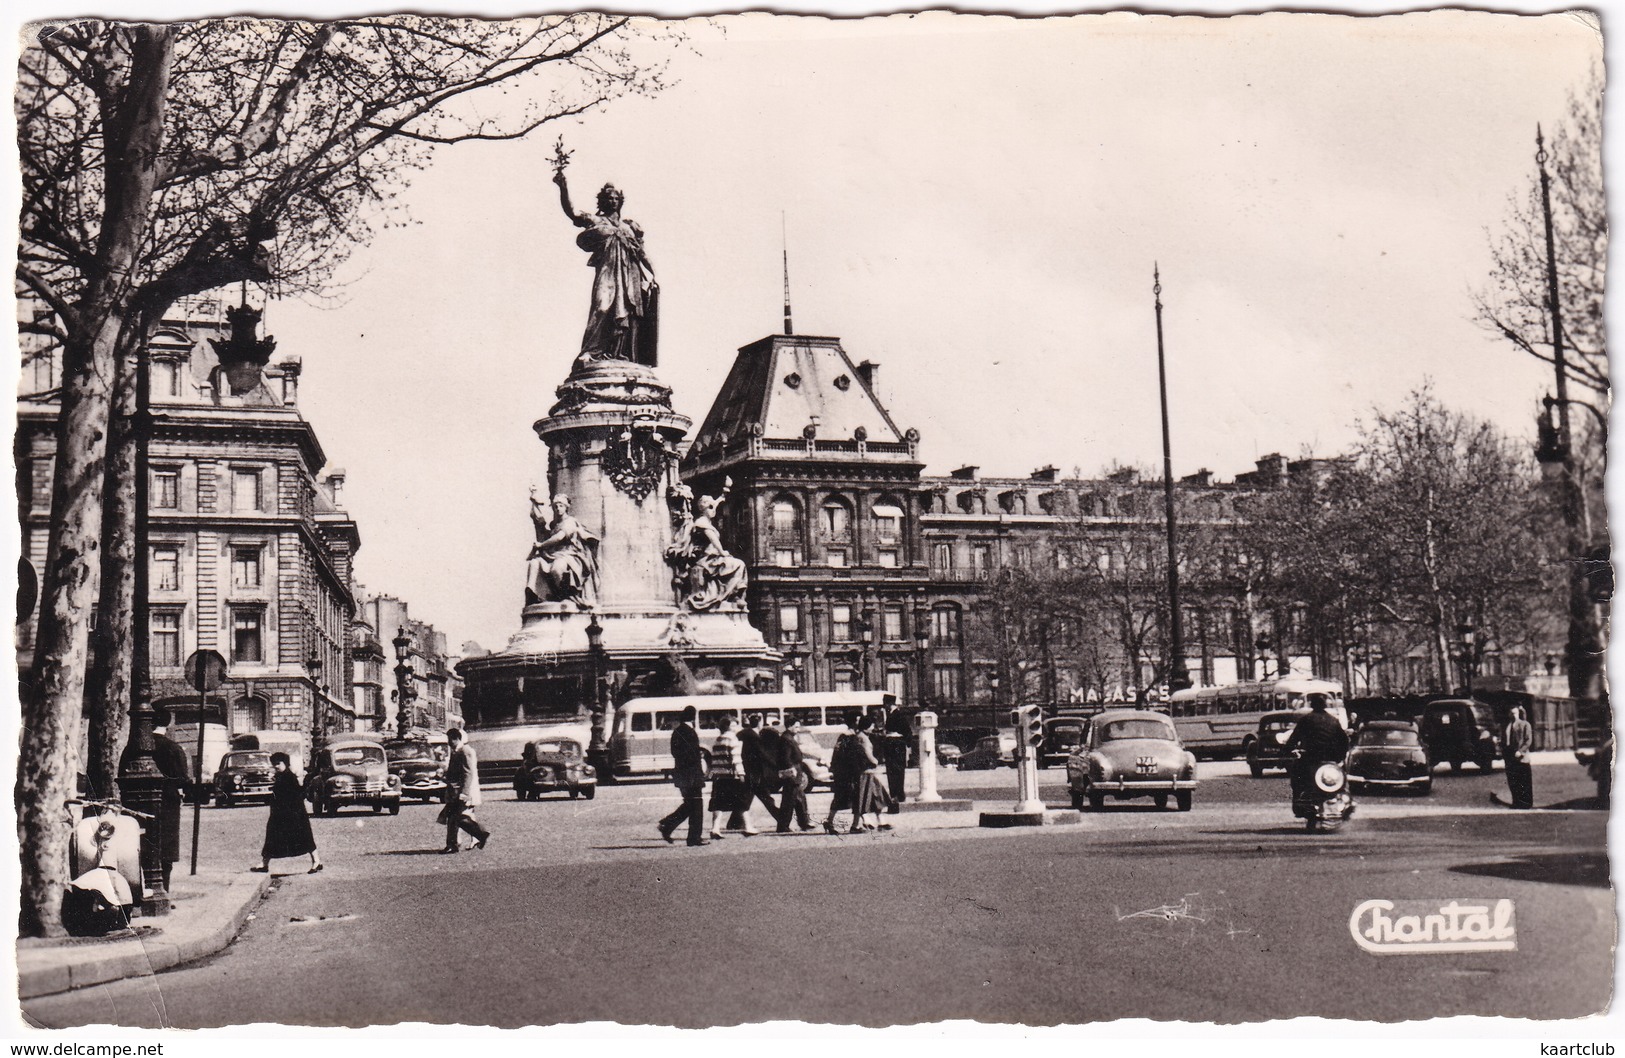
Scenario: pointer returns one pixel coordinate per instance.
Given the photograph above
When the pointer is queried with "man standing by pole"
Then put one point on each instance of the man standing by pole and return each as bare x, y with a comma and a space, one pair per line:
1517, 740
894, 753
463, 780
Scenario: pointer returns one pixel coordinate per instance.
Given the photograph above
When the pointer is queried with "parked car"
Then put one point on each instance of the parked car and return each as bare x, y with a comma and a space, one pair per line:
243, 775
1062, 735
351, 770
420, 765
948, 753
1457, 730
814, 759
1266, 747
1388, 754
1131, 753
992, 751
554, 764
290, 742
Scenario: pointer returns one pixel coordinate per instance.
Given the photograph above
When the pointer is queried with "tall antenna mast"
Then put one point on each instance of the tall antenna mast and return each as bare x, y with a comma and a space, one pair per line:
785, 242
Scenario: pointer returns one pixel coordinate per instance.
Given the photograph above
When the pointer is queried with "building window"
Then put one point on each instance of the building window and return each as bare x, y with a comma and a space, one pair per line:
246, 492
165, 569
942, 556
166, 489
945, 683
46, 376
945, 627
840, 623
784, 557
887, 557
166, 378
247, 635
981, 557
165, 639
836, 519
892, 624
844, 678
888, 521
245, 567
789, 623
835, 557
1024, 555
786, 518
897, 683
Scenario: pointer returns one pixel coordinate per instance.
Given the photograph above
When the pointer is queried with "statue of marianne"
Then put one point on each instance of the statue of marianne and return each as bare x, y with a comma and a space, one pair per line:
563, 564
623, 320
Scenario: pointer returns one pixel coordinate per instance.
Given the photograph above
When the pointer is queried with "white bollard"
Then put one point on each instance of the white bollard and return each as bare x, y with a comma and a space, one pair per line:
1027, 780
925, 728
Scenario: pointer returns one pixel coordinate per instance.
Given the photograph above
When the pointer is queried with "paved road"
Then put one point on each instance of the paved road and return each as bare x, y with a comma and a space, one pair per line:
578, 912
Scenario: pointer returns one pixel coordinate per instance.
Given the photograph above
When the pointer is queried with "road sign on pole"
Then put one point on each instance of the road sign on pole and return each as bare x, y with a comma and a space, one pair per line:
205, 671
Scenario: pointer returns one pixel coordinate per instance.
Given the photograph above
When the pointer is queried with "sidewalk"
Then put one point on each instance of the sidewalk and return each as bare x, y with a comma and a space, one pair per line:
209, 910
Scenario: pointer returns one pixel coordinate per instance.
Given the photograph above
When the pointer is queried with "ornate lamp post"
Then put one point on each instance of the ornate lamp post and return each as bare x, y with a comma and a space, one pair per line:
993, 694
866, 633
922, 651
598, 748
1263, 644
1466, 636
313, 666
403, 681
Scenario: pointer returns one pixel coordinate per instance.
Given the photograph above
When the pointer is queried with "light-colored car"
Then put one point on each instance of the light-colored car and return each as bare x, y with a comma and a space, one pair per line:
948, 753
554, 765
1131, 753
351, 770
814, 759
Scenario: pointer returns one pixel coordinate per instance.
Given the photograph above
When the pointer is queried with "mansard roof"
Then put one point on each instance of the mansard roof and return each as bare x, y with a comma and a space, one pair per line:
782, 384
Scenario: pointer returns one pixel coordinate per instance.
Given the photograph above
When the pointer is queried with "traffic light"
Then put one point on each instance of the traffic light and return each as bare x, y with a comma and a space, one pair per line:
1029, 724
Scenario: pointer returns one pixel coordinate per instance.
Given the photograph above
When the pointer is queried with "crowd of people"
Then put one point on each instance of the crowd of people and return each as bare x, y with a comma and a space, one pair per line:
765, 763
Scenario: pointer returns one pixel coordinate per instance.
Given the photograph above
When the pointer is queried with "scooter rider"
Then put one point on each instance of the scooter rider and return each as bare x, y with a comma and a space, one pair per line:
1319, 738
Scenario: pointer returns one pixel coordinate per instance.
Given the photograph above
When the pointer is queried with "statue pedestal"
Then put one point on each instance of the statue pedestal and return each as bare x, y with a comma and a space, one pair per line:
612, 447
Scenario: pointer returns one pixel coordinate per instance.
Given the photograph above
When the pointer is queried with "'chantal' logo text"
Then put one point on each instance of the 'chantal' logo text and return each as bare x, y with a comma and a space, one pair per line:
1416, 927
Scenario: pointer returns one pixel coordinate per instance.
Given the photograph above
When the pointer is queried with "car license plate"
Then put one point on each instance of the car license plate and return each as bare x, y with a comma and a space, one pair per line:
1145, 765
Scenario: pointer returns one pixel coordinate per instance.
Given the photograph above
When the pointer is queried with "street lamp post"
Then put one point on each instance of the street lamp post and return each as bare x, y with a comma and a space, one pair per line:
993, 695
922, 649
1263, 644
866, 633
403, 681
598, 745
1466, 636
313, 666
1178, 676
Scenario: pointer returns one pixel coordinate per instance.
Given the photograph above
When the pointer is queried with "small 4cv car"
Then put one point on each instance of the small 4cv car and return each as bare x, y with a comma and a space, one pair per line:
948, 753
551, 764
243, 775
814, 759
990, 751
1388, 754
420, 765
1457, 730
1266, 747
1131, 753
352, 770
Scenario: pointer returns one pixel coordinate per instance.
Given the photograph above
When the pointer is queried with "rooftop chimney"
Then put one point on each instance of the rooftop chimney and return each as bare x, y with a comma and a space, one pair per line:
335, 485
1044, 473
964, 474
869, 371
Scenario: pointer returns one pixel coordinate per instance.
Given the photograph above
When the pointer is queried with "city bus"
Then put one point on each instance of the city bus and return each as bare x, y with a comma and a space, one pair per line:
640, 742
1218, 721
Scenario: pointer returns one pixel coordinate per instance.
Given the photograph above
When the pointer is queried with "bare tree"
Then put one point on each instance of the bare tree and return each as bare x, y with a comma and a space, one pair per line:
159, 161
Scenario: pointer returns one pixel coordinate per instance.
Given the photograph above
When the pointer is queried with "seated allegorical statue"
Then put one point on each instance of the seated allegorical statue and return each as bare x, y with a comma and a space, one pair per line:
563, 565
704, 575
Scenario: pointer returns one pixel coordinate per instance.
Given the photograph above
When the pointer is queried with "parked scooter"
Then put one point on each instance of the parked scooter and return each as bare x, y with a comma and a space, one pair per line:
105, 861
1325, 803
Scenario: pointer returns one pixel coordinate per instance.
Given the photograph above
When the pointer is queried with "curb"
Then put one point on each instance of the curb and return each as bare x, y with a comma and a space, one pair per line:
137, 957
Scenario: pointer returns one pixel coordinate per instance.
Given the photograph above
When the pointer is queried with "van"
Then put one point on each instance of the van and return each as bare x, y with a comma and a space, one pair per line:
640, 742
216, 743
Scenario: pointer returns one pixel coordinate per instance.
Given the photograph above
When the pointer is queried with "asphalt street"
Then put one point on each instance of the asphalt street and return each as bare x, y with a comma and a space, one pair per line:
579, 912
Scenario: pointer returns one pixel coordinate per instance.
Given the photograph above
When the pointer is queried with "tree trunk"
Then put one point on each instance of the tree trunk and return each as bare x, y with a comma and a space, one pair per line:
108, 693
137, 65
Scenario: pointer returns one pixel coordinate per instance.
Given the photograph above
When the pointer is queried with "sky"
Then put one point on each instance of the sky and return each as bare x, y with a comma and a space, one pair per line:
975, 203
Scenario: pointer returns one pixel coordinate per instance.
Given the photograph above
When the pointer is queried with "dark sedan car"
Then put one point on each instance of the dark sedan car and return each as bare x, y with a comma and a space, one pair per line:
420, 765
1388, 754
1062, 735
554, 764
243, 776
1266, 747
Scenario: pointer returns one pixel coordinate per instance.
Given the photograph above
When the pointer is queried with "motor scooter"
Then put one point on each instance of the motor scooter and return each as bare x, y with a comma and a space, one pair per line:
1325, 804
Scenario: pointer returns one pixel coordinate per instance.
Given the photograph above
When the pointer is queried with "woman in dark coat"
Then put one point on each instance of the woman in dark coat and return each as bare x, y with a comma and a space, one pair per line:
287, 831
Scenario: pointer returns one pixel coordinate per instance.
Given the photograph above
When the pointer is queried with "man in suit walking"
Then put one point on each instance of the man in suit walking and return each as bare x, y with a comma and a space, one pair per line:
463, 780
688, 775
761, 773
894, 753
